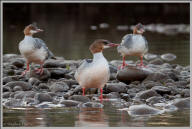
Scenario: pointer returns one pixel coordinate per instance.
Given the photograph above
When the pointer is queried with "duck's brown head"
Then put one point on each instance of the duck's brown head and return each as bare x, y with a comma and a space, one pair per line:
100, 44
139, 29
31, 29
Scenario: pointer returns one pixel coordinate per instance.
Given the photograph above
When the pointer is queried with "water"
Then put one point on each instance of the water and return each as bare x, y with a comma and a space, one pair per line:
76, 46
109, 116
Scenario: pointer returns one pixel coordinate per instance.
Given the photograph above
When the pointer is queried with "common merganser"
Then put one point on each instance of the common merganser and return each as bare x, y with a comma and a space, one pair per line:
34, 50
95, 73
134, 44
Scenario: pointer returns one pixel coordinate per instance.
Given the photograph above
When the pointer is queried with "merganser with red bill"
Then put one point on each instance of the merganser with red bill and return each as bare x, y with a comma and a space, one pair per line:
34, 50
134, 45
95, 73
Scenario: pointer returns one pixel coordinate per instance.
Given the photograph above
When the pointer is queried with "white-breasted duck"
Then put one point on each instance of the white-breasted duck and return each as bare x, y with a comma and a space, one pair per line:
33, 49
95, 73
134, 44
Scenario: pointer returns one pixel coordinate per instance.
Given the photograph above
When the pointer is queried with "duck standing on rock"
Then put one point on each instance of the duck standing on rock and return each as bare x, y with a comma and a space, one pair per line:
34, 50
134, 44
95, 73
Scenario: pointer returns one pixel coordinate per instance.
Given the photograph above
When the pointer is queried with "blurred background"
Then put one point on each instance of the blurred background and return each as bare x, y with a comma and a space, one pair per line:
69, 28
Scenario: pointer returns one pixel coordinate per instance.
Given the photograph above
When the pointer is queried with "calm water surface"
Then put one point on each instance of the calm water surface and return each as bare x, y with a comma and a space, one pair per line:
74, 44
109, 116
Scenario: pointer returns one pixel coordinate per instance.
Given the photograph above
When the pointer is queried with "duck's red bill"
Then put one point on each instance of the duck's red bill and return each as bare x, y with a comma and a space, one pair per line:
113, 44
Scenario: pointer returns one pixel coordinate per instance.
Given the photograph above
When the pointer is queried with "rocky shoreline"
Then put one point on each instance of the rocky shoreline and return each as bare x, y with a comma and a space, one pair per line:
159, 87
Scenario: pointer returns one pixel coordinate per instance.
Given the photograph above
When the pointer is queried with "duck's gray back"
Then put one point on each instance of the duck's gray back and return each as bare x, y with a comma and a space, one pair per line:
40, 43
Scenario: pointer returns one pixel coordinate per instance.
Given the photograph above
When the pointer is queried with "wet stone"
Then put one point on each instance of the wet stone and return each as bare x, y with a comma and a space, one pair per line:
18, 63
162, 90
185, 93
92, 105
69, 103
168, 57
143, 110
118, 87
156, 61
182, 103
25, 86
17, 88
131, 73
146, 94
59, 87
79, 98
43, 97
6, 94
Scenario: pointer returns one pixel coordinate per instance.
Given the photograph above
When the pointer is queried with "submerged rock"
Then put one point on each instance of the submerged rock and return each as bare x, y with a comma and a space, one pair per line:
182, 103
131, 73
168, 57
80, 98
92, 105
140, 110
69, 103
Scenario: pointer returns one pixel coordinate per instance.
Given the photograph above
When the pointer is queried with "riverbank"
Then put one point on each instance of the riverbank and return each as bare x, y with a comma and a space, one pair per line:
160, 87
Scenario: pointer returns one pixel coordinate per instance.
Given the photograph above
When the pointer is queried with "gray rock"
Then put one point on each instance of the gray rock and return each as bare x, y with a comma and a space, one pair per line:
112, 95
131, 73
182, 103
157, 77
9, 79
143, 110
80, 98
116, 87
18, 63
168, 57
146, 94
14, 103
70, 103
155, 99
20, 95
43, 86
6, 89
185, 93
92, 105
162, 90
6, 94
17, 88
59, 87
43, 97
77, 89
34, 81
126, 97
150, 56
51, 64
25, 86
156, 61
57, 73
150, 84
44, 77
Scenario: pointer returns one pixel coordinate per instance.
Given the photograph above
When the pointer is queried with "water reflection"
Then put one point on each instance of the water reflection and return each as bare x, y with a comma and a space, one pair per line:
94, 117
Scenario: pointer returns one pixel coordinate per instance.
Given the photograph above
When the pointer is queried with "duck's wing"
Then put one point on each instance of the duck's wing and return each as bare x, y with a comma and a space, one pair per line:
40, 43
127, 41
146, 44
83, 65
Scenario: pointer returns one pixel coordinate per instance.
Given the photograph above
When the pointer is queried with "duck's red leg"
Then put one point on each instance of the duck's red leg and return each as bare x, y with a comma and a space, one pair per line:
40, 70
24, 72
83, 91
123, 65
141, 62
101, 94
